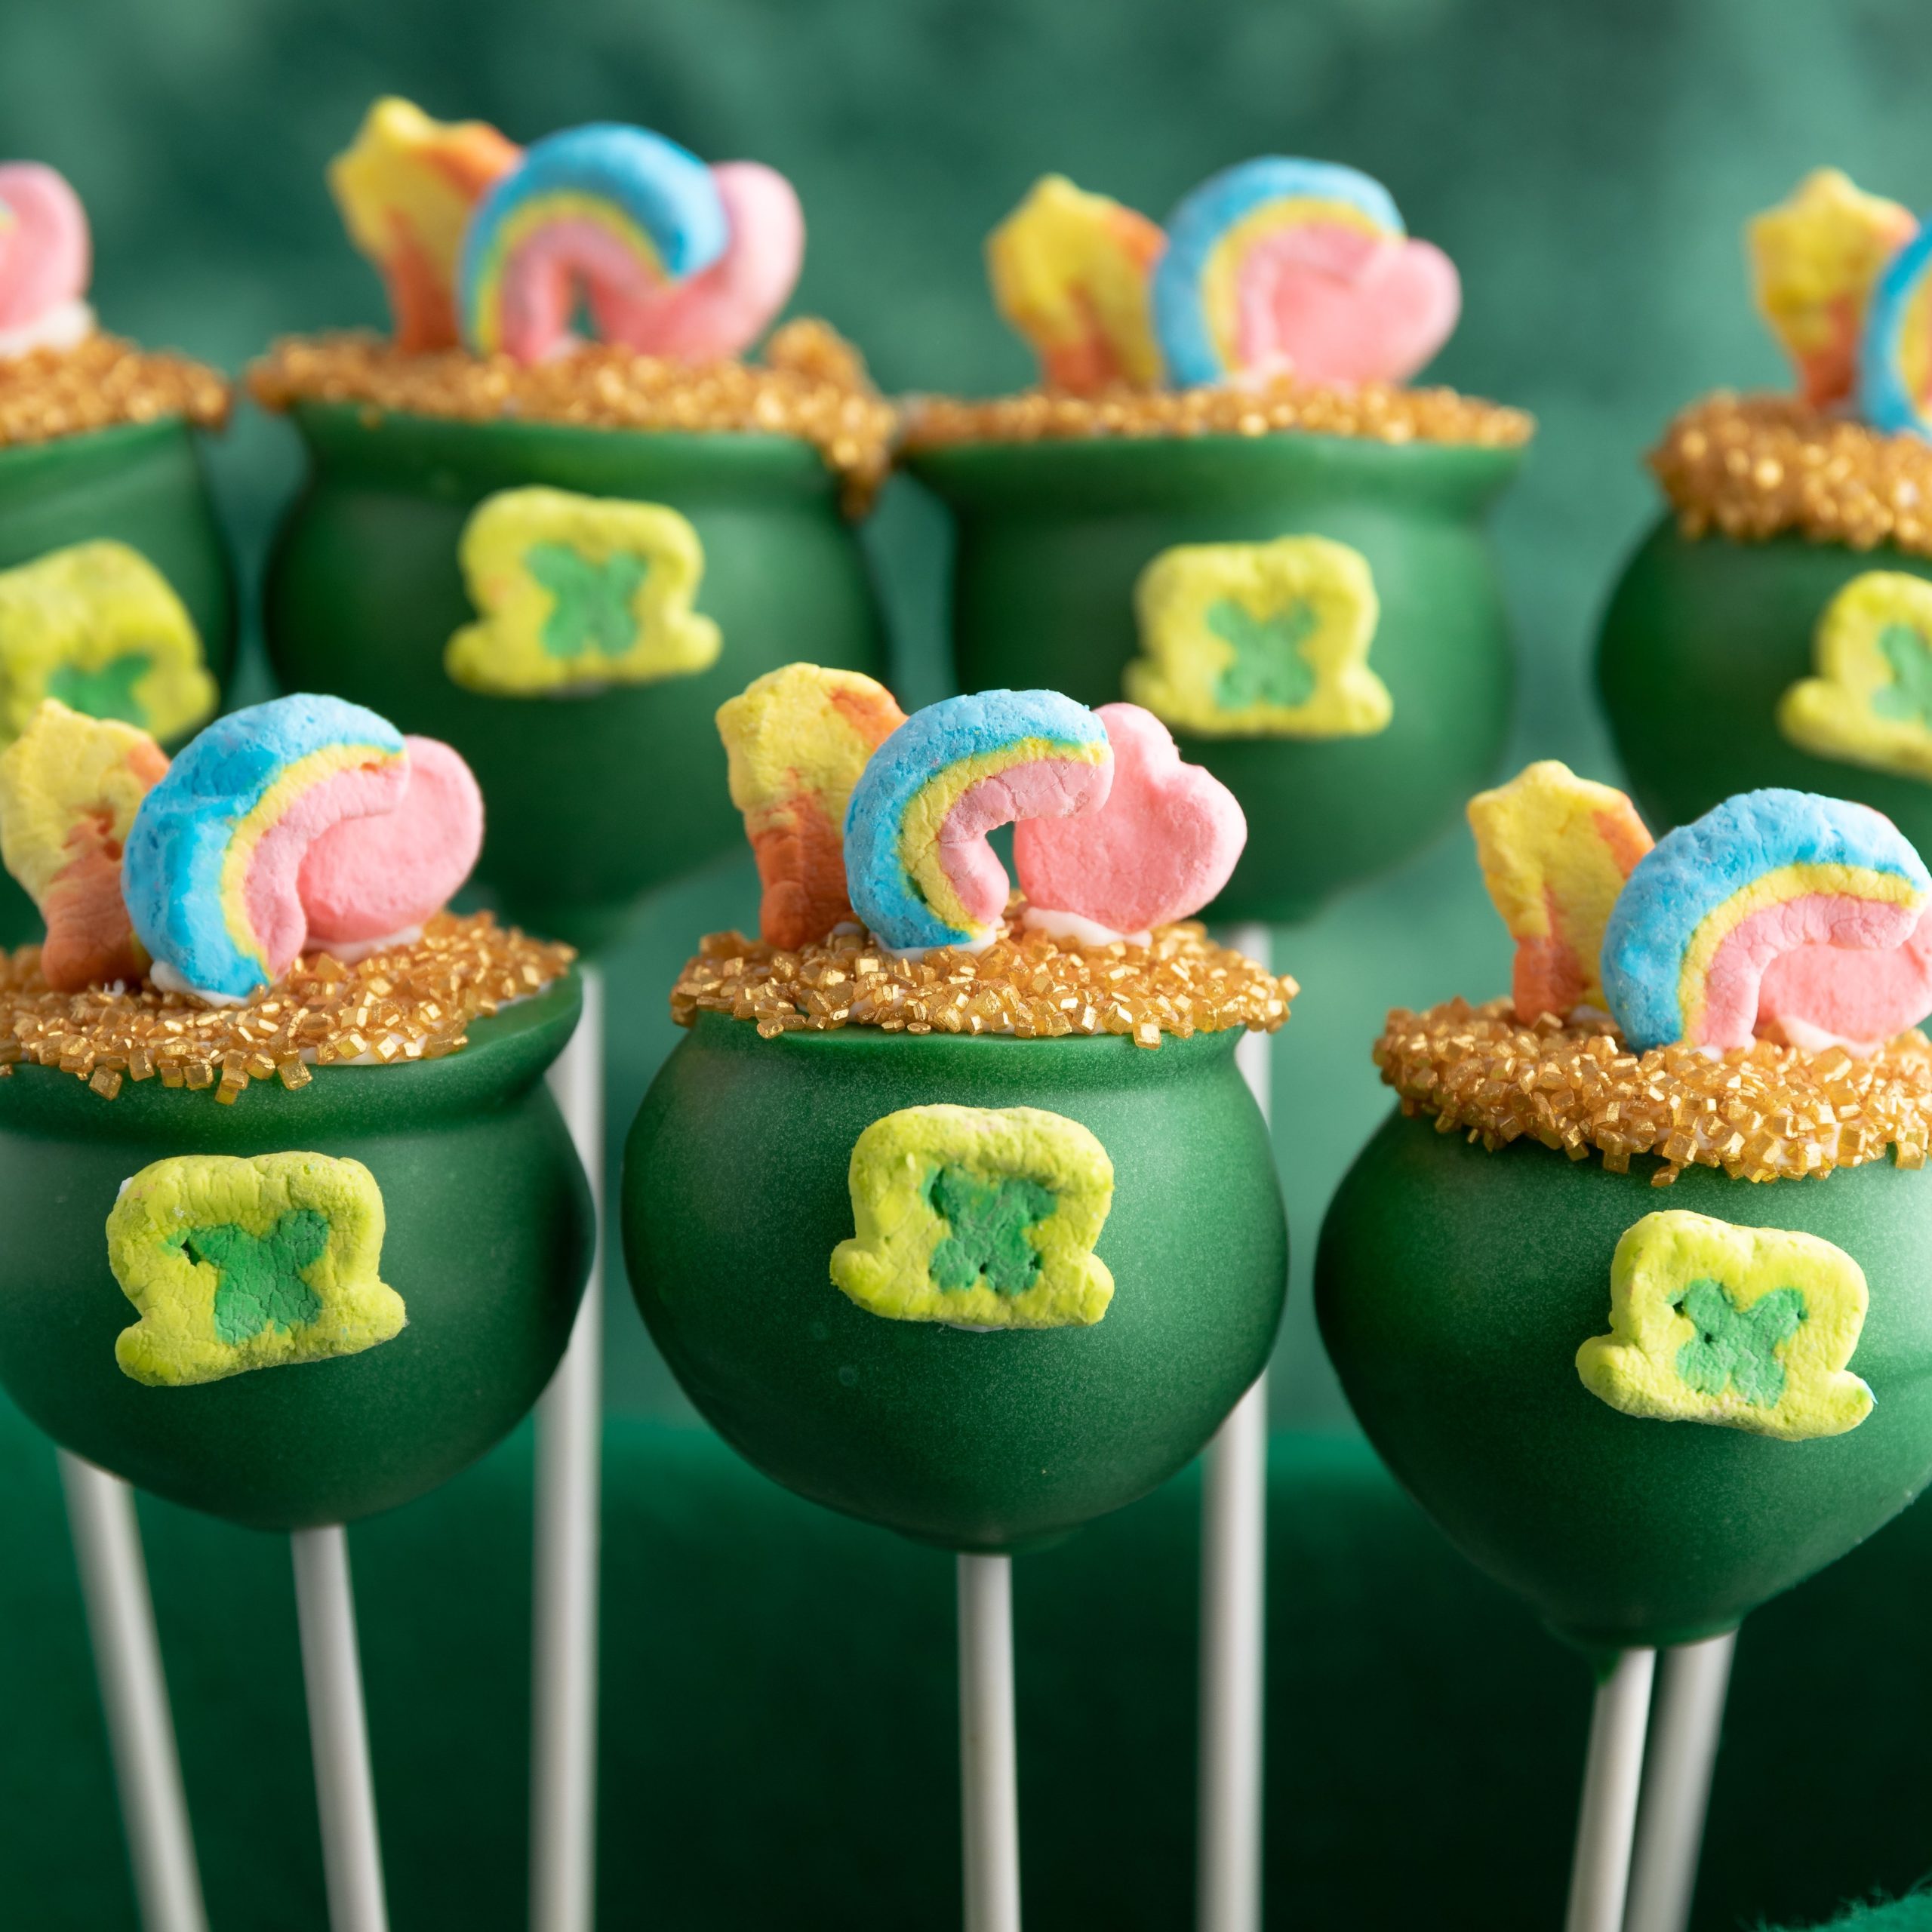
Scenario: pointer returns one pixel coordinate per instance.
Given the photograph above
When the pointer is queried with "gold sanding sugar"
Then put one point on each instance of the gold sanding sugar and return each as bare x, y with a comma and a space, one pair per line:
811, 384
405, 1003
1752, 466
1026, 984
1764, 1113
1379, 412
100, 382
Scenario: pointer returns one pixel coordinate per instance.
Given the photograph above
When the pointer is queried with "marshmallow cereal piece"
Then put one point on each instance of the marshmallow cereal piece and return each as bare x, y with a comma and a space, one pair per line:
70, 787
98, 627
1281, 266
46, 257
1871, 702
574, 593
1711, 906
723, 309
1259, 640
980, 1217
213, 860
1555, 850
1161, 846
1815, 259
918, 868
407, 187
240, 1264
796, 740
370, 879
607, 212
1895, 357
1070, 272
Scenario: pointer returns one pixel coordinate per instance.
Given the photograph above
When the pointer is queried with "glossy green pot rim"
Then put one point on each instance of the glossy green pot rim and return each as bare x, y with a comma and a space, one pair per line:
507, 1053
1077, 1059
1078, 475
23, 465
450, 455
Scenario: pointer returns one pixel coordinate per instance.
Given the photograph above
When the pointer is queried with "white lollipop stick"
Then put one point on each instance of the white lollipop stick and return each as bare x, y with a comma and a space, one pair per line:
989, 1759
1613, 1771
134, 1694
1234, 1578
1677, 1784
338, 1731
563, 1773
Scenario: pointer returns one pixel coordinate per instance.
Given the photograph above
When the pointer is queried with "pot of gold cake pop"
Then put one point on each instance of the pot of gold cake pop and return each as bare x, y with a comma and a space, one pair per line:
950, 1211
297, 1231
1630, 1294
1775, 627
1223, 504
115, 593
562, 556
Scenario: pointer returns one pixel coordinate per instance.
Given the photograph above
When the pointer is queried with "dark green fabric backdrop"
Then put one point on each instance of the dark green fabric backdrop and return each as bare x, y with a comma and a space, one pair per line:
1588, 167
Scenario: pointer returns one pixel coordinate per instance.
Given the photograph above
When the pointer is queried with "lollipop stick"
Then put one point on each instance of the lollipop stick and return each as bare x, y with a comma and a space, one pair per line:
338, 1732
1613, 1770
988, 1765
1677, 1784
1234, 1575
563, 1782
133, 1694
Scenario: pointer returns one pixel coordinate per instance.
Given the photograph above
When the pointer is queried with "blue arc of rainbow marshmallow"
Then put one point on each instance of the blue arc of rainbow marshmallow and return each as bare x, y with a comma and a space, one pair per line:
1698, 884
656, 198
894, 872
1886, 398
1210, 232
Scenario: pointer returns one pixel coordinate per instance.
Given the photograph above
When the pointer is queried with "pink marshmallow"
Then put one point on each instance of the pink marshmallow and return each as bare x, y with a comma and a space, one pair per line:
366, 879
45, 256
272, 891
1027, 794
1334, 304
723, 309
1162, 844
1829, 922
1827, 996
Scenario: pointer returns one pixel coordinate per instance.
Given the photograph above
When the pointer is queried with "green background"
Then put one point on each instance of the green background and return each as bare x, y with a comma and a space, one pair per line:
1587, 168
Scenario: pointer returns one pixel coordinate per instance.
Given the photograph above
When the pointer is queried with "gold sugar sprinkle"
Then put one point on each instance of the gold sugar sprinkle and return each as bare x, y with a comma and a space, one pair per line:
1762, 1112
405, 1003
1026, 984
812, 384
100, 382
1751, 466
1378, 412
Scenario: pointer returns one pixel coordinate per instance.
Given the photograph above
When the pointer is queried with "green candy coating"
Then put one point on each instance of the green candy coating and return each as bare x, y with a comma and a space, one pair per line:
142, 484
594, 799
1453, 1286
1053, 534
489, 1240
1701, 638
735, 1194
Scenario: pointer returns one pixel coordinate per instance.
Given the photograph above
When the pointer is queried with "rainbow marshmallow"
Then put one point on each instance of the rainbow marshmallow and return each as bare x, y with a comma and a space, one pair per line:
1713, 905
617, 210
211, 866
1895, 360
1282, 264
918, 867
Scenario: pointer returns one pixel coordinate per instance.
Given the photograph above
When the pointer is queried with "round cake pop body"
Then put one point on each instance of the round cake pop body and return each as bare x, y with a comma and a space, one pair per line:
560, 556
1015, 1246
1649, 1407
1281, 554
300, 1255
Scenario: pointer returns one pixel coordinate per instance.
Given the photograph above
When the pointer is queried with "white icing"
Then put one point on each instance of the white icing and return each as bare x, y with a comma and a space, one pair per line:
915, 953
352, 952
64, 326
170, 981
1081, 930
